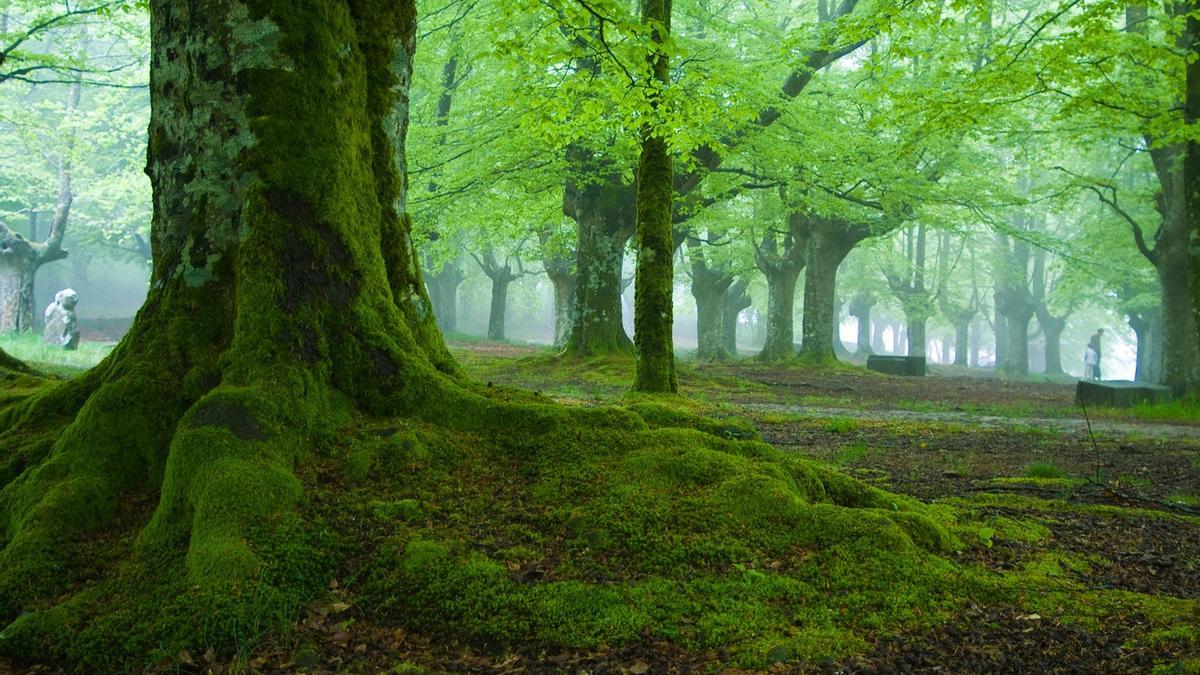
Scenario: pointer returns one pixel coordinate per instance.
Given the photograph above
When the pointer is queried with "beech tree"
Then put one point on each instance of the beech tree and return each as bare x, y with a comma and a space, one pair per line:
286, 292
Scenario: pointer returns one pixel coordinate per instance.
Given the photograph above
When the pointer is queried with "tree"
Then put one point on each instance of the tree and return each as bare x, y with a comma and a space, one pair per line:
910, 289
285, 292
712, 280
501, 274
655, 280
781, 256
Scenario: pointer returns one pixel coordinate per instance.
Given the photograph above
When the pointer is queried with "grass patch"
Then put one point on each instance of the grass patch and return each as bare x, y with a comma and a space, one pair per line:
1181, 410
1044, 470
30, 349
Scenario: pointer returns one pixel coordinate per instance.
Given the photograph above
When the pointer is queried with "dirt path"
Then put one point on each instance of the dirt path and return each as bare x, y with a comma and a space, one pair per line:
1077, 427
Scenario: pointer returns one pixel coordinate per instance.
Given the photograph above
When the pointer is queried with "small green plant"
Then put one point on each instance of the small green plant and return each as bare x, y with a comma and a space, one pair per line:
986, 536
1044, 470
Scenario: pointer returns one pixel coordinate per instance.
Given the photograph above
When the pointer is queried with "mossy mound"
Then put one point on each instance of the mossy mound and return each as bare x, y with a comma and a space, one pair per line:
598, 534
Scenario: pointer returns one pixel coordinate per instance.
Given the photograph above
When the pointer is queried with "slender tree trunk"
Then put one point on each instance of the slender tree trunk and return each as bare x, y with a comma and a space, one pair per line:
499, 307
564, 307
1053, 330
443, 293
1191, 171
860, 309
962, 342
1181, 346
710, 312
877, 344
1017, 340
710, 288
654, 284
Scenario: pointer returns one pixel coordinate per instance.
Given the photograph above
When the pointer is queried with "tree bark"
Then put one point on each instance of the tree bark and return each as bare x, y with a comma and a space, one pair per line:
653, 318
710, 286
962, 342
499, 307
604, 213
564, 306
736, 300
443, 293
1147, 326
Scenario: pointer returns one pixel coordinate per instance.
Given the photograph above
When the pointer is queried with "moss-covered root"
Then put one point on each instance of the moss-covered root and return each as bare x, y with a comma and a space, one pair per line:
7, 362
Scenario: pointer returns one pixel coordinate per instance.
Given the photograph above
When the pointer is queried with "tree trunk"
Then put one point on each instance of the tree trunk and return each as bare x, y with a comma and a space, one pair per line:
1053, 327
877, 344
653, 317
860, 309
736, 300
1191, 171
962, 342
828, 247
916, 337
780, 343
604, 214
285, 292
16, 285
564, 307
21, 258
710, 312
499, 307
710, 287
443, 293
781, 264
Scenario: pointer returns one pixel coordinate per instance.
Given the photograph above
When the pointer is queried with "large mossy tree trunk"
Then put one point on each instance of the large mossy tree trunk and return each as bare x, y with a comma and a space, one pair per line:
781, 262
286, 293
653, 317
604, 213
736, 300
830, 241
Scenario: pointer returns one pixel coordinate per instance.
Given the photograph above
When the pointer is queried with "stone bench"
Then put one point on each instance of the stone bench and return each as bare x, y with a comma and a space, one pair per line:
910, 366
1118, 393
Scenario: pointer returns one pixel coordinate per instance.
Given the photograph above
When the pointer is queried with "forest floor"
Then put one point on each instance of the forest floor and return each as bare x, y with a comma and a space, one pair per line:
1106, 507
1117, 490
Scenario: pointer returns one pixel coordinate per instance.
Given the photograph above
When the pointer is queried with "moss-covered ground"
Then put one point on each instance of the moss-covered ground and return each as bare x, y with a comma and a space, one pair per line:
653, 533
